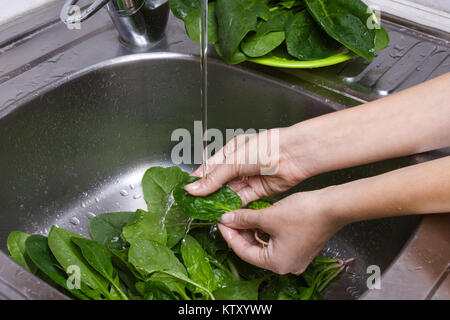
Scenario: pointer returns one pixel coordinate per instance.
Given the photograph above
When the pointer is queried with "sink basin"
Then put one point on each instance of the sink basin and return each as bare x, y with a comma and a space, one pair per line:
73, 151
82, 117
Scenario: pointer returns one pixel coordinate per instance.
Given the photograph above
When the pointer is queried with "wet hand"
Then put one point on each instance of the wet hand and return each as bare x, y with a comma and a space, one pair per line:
298, 227
254, 166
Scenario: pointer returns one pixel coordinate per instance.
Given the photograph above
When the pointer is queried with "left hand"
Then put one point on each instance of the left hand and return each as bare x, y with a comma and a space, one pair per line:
298, 229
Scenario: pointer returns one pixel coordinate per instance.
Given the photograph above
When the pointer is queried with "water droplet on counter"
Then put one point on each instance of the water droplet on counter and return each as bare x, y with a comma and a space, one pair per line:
90, 215
397, 52
131, 186
97, 200
75, 221
353, 292
137, 196
19, 273
83, 205
124, 193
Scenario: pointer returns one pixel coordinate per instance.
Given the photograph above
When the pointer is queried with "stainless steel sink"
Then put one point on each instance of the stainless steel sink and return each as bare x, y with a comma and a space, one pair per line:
98, 115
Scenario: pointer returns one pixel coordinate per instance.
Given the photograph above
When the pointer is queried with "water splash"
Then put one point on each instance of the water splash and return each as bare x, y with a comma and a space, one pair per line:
204, 82
213, 230
187, 228
169, 203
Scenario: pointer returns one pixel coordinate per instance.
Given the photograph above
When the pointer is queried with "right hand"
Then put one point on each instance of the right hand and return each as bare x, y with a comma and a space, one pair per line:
231, 165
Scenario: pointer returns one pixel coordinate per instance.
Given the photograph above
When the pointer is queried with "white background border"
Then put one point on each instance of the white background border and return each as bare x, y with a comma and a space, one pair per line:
413, 11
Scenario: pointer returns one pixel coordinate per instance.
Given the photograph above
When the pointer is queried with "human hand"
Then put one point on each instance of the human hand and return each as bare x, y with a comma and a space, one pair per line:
299, 226
255, 166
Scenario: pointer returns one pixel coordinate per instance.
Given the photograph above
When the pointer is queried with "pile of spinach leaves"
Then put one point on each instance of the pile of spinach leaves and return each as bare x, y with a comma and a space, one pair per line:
150, 255
302, 29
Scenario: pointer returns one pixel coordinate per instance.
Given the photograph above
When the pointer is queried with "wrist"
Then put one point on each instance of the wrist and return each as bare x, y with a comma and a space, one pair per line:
333, 207
306, 148
293, 163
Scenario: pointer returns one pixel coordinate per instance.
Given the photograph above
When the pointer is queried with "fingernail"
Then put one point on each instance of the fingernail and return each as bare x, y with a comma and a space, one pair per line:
192, 187
227, 218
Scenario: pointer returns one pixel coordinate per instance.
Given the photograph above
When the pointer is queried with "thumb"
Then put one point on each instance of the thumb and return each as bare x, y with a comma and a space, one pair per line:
245, 219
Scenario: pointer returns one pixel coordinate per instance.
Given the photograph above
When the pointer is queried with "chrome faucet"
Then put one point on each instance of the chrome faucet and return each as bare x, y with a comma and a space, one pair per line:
140, 23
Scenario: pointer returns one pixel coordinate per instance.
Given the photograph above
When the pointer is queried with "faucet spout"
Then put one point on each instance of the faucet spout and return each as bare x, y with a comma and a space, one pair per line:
140, 23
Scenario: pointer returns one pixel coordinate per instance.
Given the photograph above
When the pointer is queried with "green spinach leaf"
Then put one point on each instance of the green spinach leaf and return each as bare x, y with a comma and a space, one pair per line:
236, 58
145, 226
277, 22
192, 23
149, 269
223, 277
107, 229
306, 40
239, 290
150, 256
197, 263
100, 258
68, 254
210, 242
246, 270
175, 223
259, 45
235, 19
268, 36
155, 290
174, 284
347, 22
381, 39
17, 251
158, 184
181, 8
39, 252
258, 205
208, 208
291, 4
